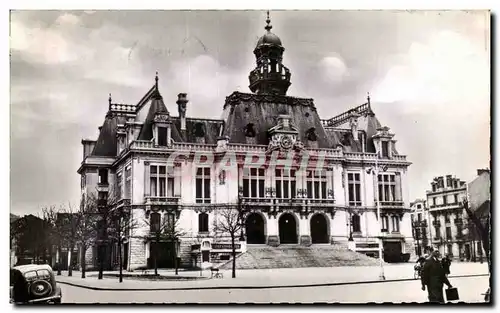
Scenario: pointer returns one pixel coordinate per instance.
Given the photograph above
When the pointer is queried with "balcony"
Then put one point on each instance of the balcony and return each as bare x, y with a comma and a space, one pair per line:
392, 204
152, 200
256, 201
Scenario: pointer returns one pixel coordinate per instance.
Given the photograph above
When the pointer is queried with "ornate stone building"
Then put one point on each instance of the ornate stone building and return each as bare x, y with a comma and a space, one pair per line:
447, 215
295, 178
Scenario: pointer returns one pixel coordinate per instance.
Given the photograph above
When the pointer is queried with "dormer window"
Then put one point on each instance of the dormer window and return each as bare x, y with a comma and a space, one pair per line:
199, 130
385, 149
162, 136
311, 134
250, 130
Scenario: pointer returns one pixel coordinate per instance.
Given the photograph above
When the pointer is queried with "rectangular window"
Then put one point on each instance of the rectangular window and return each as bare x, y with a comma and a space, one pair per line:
103, 176
119, 183
386, 187
445, 202
437, 232
395, 224
385, 223
285, 183
203, 185
455, 196
434, 201
316, 184
385, 149
419, 217
162, 136
161, 181
354, 183
447, 218
448, 233
128, 182
253, 183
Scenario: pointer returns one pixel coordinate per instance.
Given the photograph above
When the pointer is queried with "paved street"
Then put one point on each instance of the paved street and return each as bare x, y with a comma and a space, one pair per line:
470, 289
273, 277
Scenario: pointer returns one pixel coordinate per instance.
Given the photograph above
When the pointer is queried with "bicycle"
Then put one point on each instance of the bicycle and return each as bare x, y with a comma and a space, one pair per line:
417, 273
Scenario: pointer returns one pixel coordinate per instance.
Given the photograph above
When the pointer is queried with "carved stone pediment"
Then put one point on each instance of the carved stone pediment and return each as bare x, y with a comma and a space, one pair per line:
162, 118
284, 136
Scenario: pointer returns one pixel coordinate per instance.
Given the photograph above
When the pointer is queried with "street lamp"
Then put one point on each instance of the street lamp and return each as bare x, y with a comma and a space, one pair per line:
376, 171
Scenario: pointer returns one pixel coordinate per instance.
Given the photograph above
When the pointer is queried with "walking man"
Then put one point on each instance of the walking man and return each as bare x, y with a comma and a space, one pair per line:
434, 277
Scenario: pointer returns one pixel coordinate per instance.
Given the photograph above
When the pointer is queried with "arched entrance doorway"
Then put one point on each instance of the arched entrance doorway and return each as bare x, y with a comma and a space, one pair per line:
319, 229
254, 229
287, 229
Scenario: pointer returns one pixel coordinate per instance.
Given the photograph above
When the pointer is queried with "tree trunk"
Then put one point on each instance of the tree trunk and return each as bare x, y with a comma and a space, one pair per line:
155, 254
234, 255
120, 260
59, 259
101, 261
82, 260
70, 256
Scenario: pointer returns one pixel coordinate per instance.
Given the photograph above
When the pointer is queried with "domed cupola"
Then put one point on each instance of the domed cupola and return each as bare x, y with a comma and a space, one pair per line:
270, 76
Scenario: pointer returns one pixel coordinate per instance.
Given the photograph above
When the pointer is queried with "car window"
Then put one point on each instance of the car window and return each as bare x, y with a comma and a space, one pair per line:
30, 274
43, 273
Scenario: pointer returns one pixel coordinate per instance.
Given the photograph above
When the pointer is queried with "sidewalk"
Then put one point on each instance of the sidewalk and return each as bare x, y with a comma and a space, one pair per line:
268, 278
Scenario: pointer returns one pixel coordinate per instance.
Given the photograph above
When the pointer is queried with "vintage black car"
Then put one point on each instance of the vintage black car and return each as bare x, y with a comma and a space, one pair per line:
34, 283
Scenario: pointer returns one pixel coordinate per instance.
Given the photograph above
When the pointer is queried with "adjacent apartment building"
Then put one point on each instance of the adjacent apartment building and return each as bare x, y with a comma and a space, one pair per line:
295, 177
447, 215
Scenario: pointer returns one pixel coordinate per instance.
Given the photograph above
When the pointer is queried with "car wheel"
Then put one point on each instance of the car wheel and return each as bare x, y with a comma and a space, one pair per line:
40, 288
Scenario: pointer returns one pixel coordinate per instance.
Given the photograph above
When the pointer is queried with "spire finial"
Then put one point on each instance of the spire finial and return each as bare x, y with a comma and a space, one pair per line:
368, 97
156, 80
268, 22
109, 99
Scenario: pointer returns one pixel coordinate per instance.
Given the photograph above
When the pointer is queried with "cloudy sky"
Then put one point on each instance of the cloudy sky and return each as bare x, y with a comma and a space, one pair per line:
427, 73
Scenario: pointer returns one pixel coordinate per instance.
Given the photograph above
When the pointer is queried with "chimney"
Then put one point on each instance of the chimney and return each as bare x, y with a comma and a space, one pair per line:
353, 122
482, 171
181, 106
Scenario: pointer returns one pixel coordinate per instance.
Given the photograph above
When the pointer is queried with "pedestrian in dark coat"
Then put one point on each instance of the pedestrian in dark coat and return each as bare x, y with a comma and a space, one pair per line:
446, 262
434, 277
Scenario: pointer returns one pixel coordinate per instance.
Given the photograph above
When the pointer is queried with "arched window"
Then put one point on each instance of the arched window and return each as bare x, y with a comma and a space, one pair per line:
199, 130
250, 130
203, 223
356, 224
154, 222
311, 134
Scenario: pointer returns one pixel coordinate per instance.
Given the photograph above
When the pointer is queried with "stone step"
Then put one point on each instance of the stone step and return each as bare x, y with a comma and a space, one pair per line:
296, 256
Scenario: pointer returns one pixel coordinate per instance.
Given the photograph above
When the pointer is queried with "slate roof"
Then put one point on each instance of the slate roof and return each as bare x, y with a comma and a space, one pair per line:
106, 144
210, 129
157, 106
263, 114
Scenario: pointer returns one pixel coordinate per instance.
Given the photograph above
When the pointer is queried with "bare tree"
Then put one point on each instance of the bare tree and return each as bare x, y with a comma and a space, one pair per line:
57, 229
69, 220
121, 226
86, 227
478, 225
166, 229
229, 222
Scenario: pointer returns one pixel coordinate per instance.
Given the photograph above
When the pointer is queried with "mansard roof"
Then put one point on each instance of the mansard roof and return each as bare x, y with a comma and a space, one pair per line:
106, 144
210, 129
263, 110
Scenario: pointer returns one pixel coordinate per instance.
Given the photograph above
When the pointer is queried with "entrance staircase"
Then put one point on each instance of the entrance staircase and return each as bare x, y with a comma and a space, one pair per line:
297, 256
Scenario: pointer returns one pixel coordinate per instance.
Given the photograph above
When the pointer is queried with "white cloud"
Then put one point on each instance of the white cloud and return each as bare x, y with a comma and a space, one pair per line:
446, 71
41, 45
333, 69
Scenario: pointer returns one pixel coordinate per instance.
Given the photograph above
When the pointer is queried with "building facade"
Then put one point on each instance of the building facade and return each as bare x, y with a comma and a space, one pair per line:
447, 215
295, 178
420, 225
